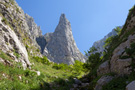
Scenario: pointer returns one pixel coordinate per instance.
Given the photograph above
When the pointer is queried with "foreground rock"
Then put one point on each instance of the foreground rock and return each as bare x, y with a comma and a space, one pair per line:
131, 86
103, 81
104, 68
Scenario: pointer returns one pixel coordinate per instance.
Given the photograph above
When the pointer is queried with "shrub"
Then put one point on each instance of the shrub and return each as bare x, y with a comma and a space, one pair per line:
130, 51
12, 2
78, 66
27, 47
92, 49
61, 66
17, 55
118, 30
4, 20
116, 84
43, 60
29, 73
92, 61
38, 50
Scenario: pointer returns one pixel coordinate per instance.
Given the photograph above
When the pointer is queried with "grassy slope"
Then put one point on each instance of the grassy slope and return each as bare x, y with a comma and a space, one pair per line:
50, 78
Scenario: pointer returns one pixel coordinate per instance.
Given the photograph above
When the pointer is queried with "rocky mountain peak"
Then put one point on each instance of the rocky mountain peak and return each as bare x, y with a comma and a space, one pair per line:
63, 24
63, 19
61, 47
63, 16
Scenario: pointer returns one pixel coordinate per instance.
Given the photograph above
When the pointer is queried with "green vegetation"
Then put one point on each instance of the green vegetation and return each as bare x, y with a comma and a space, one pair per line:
5, 56
26, 47
10, 79
116, 84
119, 83
92, 64
4, 20
17, 9
43, 60
111, 43
12, 2
38, 50
131, 11
92, 61
53, 76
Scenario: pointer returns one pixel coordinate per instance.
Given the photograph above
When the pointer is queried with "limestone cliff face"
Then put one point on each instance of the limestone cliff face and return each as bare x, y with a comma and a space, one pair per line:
61, 45
17, 32
35, 30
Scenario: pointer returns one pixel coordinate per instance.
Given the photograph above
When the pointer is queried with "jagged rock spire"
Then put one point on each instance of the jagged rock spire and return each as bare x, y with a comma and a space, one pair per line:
62, 47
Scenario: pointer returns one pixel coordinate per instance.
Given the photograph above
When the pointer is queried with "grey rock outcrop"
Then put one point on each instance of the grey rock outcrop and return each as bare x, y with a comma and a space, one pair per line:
17, 32
131, 86
104, 68
9, 43
103, 81
48, 37
35, 30
122, 66
61, 46
35, 33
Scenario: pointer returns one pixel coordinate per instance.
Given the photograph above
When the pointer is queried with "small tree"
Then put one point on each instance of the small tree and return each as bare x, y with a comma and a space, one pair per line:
118, 30
92, 49
92, 61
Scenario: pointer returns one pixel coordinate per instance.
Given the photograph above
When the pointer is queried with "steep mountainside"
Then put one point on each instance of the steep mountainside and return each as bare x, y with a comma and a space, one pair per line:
16, 33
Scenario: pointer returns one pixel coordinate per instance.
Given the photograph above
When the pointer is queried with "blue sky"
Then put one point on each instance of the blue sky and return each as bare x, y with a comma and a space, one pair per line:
90, 20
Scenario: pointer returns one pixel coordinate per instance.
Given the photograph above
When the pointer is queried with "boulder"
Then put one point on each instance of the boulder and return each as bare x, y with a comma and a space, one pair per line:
122, 66
77, 81
103, 81
38, 73
75, 85
2, 61
103, 68
84, 84
131, 86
